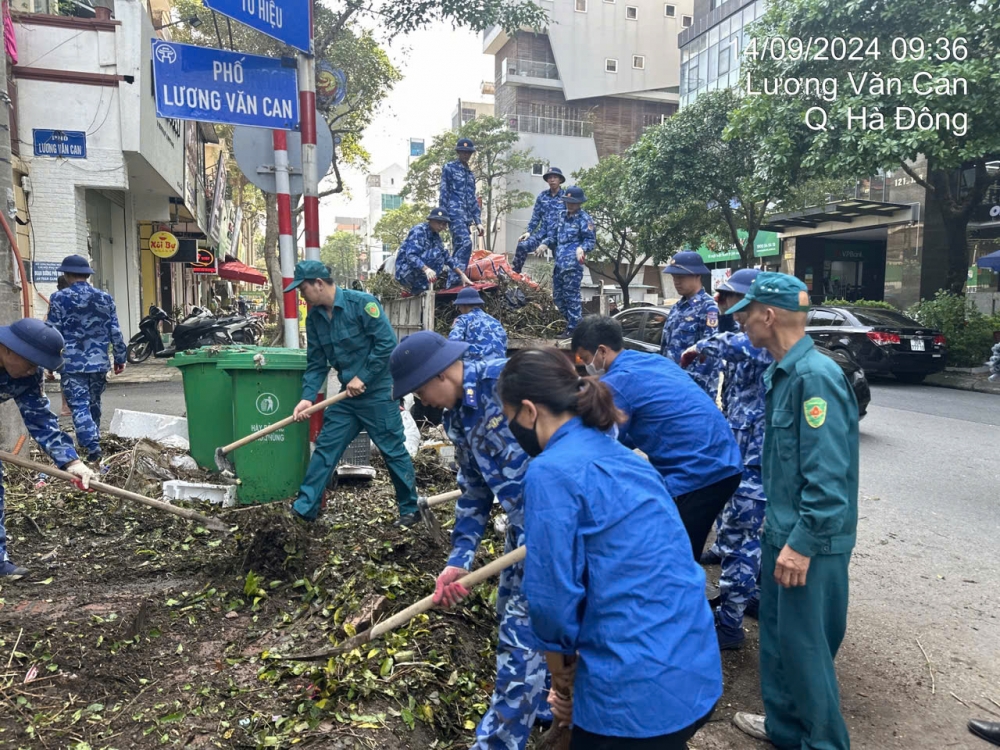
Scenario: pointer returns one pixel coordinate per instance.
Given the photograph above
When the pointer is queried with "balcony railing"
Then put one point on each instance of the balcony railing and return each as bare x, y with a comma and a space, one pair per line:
530, 69
550, 126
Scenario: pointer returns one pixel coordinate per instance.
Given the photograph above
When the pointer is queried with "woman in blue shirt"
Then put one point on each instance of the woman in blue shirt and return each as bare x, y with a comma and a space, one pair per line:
613, 593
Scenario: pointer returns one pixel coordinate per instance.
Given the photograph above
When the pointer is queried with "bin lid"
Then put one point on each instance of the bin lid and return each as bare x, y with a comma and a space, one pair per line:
262, 358
209, 354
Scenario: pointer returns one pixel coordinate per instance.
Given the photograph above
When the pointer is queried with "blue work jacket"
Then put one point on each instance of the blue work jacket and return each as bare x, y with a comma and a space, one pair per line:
87, 319
486, 338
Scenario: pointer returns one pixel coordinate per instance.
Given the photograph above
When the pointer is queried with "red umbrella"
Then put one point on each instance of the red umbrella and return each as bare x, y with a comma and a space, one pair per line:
234, 270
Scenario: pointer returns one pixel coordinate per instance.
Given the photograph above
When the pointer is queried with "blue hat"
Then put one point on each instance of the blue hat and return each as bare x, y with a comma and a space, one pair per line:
438, 214
419, 357
306, 270
688, 263
739, 282
574, 195
776, 290
468, 296
464, 144
35, 340
554, 171
75, 264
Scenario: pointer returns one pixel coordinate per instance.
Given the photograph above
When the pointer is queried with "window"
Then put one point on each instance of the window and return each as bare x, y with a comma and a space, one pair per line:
687, 21
654, 328
581, 6
639, 62
631, 323
670, 11
824, 318
390, 202
468, 115
610, 65
632, 12
610, 2
537, 169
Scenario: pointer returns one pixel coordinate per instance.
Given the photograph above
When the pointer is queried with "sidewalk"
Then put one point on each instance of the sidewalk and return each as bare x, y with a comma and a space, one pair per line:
150, 371
964, 381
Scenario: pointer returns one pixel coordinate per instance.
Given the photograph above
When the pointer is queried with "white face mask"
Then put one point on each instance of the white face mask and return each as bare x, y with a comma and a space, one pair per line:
593, 369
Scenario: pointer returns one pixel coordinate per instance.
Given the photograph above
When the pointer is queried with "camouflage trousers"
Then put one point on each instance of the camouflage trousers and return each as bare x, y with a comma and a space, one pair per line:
461, 248
522, 685
524, 249
566, 293
738, 544
83, 391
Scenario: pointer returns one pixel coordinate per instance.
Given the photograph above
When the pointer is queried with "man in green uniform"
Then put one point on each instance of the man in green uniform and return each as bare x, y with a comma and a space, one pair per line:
348, 331
810, 472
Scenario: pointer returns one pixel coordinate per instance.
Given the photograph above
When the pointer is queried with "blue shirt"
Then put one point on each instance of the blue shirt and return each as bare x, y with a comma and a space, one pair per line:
87, 319
422, 247
490, 462
609, 575
41, 423
482, 332
548, 208
567, 233
458, 194
743, 388
688, 322
672, 421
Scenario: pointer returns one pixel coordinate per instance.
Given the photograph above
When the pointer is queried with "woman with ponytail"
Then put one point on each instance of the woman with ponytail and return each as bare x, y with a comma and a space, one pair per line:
614, 596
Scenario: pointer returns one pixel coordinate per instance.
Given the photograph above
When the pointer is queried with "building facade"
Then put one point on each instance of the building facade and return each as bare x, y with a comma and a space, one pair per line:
383, 193
466, 111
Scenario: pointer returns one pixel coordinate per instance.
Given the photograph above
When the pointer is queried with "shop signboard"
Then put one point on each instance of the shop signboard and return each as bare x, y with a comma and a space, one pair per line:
765, 244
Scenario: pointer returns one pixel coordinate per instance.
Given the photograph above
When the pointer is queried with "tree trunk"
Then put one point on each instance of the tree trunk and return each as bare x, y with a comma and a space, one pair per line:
271, 260
956, 236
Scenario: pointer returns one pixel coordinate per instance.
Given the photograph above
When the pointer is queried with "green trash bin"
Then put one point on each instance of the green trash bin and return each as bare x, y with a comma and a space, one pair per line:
266, 386
208, 397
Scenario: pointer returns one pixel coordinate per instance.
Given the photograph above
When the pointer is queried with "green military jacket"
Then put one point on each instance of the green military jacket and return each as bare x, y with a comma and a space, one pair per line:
356, 341
810, 458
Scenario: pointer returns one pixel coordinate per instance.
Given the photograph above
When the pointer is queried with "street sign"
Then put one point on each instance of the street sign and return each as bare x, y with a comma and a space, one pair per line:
44, 271
214, 85
163, 245
287, 20
254, 152
67, 144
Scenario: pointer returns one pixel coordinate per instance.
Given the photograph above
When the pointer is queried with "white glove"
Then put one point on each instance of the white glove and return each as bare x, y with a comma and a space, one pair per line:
83, 474
580, 254
542, 250
429, 273
524, 236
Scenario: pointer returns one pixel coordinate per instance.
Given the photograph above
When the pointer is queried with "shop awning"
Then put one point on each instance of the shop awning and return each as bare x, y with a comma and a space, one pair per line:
234, 270
991, 261
844, 212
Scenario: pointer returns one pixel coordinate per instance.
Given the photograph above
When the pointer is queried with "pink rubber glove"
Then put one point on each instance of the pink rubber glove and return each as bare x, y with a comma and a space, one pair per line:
447, 590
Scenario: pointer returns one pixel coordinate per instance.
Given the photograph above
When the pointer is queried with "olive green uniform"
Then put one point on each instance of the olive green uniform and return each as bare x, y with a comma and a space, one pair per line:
356, 340
810, 472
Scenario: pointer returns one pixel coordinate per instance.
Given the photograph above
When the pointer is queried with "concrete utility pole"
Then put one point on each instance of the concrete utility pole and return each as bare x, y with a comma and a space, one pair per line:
11, 426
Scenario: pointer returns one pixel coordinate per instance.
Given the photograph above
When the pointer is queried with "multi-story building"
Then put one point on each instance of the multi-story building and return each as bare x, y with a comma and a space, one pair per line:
382, 190
466, 111
587, 87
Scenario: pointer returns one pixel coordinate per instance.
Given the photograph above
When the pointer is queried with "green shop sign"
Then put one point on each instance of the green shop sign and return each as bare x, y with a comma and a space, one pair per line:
765, 244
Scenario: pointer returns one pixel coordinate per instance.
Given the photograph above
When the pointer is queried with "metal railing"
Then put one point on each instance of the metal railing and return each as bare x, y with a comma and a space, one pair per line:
550, 126
530, 69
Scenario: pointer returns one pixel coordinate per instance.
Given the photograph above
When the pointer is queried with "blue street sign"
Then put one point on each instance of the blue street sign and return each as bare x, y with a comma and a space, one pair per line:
213, 85
68, 144
284, 20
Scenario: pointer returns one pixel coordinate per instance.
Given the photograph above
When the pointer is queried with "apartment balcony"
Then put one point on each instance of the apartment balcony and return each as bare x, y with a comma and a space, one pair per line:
515, 72
550, 126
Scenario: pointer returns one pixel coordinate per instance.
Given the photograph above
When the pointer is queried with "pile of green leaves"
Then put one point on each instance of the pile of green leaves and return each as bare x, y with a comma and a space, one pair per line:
968, 331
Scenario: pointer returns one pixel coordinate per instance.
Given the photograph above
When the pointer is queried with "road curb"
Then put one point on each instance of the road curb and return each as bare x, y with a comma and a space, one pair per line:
963, 383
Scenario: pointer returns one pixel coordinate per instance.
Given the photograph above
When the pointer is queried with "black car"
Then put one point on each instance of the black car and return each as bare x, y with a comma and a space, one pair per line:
882, 341
643, 329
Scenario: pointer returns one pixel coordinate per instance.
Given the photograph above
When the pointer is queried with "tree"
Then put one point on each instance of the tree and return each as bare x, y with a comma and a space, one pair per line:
341, 252
724, 182
394, 225
495, 161
926, 55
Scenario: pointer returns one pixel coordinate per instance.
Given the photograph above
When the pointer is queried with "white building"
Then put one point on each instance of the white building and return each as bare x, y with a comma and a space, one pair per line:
382, 191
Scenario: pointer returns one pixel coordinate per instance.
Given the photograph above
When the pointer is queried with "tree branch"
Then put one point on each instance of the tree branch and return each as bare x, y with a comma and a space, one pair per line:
916, 177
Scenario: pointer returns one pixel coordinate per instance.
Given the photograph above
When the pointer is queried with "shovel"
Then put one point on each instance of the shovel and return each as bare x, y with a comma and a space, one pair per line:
475, 577
208, 522
226, 466
424, 505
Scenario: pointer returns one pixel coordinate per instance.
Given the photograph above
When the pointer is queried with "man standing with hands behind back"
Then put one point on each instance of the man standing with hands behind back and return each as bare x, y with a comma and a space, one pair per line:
810, 472
347, 330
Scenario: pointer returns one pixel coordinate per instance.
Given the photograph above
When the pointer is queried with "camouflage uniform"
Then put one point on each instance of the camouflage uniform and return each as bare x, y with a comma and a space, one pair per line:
422, 247
567, 234
87, 319
42, 425
458, 198
738, 527
482, 332
688, 322
492, 463
548, 209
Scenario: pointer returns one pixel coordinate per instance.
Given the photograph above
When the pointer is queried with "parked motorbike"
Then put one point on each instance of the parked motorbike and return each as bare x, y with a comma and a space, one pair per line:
197, 330
148, 340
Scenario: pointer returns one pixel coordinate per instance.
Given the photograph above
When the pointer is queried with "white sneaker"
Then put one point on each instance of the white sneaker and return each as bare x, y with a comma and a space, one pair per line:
750, 724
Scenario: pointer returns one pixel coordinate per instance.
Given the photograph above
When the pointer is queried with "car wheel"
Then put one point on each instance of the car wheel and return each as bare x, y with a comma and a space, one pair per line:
910, 377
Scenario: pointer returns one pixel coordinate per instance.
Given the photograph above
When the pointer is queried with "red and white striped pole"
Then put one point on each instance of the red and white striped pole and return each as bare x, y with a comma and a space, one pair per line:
310, 173
286, 240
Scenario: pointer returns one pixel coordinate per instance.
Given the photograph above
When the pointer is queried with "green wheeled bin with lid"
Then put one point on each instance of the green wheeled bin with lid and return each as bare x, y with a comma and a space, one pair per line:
266, 386
208, 398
